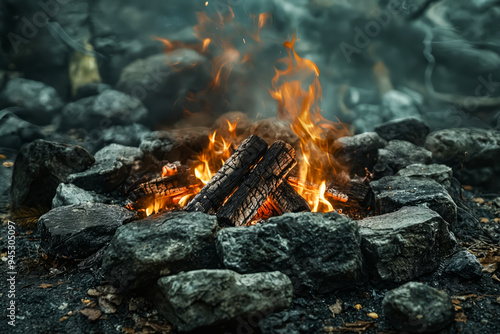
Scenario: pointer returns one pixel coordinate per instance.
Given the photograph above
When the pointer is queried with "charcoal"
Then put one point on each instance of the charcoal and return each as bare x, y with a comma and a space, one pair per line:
405, 244
163, 80
464, 264
109, 108
442, 174
473, 154
69, 194
207, 297
38, 102
112, 167
410, 129
358, 152
318, 252
15, 132
398, 154
142, 252
175, 145
40, 167
78, 231
418, 308
395, 192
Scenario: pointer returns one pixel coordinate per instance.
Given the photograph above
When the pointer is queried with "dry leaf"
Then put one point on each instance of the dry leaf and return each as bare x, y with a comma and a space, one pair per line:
490, 263
478, 200
2, 156
358, 307
336, 308
461, 317
484, 220
91, 314
465, 297
372, 315
63, 318
457, 308
8, 164
495, 277
86, 301
45, 285
128, 330
456, 301
93, 293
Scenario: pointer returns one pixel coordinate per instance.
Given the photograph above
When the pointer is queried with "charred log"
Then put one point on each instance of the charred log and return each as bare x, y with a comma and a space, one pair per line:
354, 191
230, 176
163, 186
286, 199
263, 180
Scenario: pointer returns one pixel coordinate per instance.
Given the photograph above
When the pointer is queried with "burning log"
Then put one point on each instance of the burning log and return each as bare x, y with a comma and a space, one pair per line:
286, 199
230, 176
266, 211
163, 186
354, 191
263, 180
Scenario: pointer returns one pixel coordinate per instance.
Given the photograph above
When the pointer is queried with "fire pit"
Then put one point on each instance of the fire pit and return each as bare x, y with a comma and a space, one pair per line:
182, 167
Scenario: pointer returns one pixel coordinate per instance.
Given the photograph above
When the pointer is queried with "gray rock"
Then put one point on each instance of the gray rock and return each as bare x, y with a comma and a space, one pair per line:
78, 231
127, 135
160, 245
464, 264
40, 167
358, 151
410, 129
473, 154
365, 117
317, 251
418, 308
394, 192
112, 167
175, 145
399, 154
207, 297
69, 194
405, 244
442, 174
38, 102
111, 107
15, 132
397, 104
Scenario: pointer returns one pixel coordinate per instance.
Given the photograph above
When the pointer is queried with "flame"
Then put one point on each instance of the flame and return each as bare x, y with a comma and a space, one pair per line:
301, 107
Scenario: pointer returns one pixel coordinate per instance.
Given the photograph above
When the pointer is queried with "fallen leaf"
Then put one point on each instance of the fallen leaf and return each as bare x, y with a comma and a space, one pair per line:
490, 263
86, 301
45, 285
2, 156
63, 318
478, 200
336, 308
91, 314
484, 220
8, 164
456, 301
461, 317
495, 277
358, 307
457, 308
465, 297
467, 187
372, 315
128, 330
93, 293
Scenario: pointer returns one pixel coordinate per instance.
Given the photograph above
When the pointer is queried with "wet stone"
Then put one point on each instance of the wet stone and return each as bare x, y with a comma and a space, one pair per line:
69, 194
405, 244
15, 131
442, 174
410, 129
398, 154
317, 251
464, 264
160, 245
207, 297
418, 308
78, 231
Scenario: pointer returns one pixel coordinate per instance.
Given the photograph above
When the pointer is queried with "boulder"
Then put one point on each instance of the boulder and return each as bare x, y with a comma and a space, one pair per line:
207, 297
38, 102
14, 132
418, 308
405, 244
464, 264
112, 167
78, 231
39, 168
69, 194
160, 245
317, 251
442, 174
358, 152
111, 107
394, 192
398, 154
410, 129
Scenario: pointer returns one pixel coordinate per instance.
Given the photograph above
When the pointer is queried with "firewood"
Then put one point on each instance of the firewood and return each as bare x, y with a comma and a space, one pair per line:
352, 191
163, 186
229, 177
267, 210
263, 180
287, 199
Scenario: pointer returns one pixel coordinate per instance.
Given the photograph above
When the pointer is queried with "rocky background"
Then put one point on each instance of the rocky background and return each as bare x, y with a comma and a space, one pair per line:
88, 102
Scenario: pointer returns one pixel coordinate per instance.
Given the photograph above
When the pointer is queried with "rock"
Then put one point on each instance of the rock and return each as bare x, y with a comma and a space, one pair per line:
399, 154
397, 104
162, 81
442, 174
207, 297
418, 308
405, 244
112, 167
111, 107
465, 265
38, 102
78, 231
15, 132
317, 251
471, 152
365, 117
410, 129
69, 194
358, 152
160, 245
394, 192
40, 167
127, 135
90, 89
175, 145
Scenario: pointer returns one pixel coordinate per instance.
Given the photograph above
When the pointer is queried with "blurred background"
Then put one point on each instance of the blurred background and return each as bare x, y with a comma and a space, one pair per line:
378, 59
